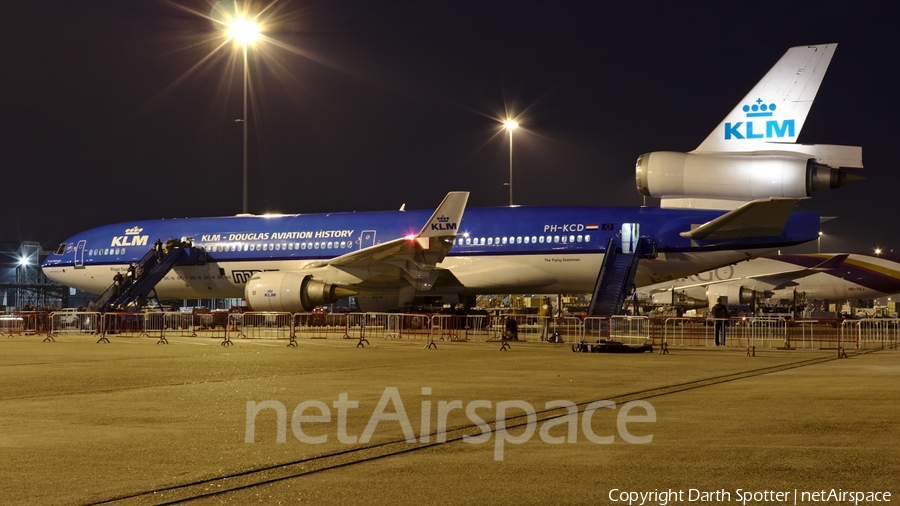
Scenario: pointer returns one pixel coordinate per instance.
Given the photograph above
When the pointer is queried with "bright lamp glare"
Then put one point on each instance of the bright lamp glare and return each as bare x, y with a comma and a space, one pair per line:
23, 261
243, 31
511, 124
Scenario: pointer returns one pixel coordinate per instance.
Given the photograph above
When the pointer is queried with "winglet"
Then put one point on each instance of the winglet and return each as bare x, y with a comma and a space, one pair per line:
759, 218
445, 220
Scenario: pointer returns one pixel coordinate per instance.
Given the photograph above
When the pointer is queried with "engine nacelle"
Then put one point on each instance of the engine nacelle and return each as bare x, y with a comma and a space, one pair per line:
291, 291
689, 298
736, 177
736, 294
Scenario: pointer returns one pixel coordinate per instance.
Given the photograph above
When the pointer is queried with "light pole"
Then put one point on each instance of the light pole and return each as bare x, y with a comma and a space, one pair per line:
819, 240
510, 125
244, 31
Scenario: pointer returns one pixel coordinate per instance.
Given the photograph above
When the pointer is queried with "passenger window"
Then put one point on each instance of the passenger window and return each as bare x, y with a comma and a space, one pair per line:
571, 238
490, 241
519, 240
526, 239
587, 238
555, 238
504, 240
533, 240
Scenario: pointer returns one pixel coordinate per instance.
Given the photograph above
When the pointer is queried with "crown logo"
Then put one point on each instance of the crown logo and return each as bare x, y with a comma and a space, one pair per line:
758, 109
443, 219
133, 231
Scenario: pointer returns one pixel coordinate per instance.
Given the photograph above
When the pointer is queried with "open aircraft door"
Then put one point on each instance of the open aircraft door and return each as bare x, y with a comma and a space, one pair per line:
79, 255
631, 232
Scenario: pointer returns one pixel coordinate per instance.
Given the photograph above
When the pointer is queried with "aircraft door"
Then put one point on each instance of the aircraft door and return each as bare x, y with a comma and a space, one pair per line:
366, 239
631, 232
79, 255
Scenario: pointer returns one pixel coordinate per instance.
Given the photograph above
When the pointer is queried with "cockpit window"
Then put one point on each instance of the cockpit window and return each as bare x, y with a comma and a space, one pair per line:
60, 249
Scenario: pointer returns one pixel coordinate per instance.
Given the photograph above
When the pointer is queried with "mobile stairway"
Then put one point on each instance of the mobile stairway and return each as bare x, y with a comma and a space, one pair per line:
616, 278
152, 269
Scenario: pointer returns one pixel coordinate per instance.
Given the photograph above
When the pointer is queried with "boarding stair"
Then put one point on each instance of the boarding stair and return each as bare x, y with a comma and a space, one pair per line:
153, 267
616, 278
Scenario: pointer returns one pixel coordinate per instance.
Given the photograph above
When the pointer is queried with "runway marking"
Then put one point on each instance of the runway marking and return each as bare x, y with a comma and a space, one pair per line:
250, 478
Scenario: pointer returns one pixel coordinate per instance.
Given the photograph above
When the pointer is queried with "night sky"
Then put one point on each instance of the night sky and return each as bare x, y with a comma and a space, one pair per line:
122, 110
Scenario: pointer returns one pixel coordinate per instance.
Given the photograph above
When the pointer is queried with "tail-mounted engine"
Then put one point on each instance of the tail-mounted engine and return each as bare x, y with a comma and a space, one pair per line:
735, 177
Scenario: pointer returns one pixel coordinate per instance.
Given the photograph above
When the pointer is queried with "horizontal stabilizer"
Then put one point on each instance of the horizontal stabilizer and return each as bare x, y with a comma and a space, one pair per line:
759, 218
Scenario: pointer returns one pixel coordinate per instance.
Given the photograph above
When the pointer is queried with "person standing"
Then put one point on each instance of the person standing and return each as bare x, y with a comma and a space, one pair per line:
720, 315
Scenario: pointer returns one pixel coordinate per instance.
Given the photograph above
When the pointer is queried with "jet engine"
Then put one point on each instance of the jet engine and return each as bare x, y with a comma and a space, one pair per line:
294, 291
736, 294
690, 298
735, 177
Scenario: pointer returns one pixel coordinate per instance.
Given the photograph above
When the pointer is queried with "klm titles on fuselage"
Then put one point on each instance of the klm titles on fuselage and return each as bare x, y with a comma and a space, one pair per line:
129, 240
132, 237
277, 236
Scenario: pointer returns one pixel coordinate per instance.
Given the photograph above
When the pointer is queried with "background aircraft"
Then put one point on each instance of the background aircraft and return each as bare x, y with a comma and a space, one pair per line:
827, 276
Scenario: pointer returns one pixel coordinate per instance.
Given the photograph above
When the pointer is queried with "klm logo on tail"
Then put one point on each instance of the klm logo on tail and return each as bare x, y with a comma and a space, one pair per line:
759, 129
443, 223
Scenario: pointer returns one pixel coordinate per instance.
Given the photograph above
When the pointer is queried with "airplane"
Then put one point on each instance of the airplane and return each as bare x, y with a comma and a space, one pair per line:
825, 276
709, 218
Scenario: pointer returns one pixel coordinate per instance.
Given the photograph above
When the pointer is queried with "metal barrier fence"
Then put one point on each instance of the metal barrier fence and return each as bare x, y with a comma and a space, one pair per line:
566, 329
364, 326
266, 325
26, 323
11, 325
595, 328
761, 333
870, 333
676, 331
74, 322
629, 329
123, 324
319, 325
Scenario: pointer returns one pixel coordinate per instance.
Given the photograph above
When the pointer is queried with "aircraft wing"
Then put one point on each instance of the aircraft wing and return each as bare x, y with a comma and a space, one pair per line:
415, 256
777, 280
771, 280
759, 218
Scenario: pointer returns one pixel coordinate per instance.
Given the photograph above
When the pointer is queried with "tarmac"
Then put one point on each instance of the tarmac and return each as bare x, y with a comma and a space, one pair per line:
136, 422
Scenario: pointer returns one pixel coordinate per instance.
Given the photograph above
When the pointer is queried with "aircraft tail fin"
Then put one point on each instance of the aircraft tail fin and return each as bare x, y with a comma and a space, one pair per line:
776, 108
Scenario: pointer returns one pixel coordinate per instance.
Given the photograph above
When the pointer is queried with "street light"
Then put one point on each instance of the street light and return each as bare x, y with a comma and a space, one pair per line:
820, 242
244, 31
510, 125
